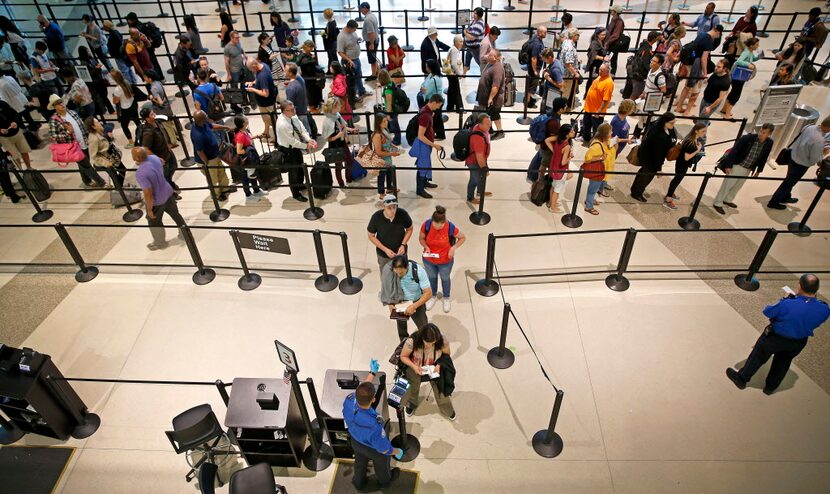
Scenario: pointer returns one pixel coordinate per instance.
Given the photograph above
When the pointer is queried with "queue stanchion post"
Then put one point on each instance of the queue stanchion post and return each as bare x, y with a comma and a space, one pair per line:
313, 212
247, 32
524, 119
121, 22
646, 20
555, 19
248, 281
627, 8
348, 5
203, 275
325, 282
509, 7
479, 217
316, 424
530, 29
487, 286
690, 222
457, 29
682, 6
617, 281
168, 52
431, 8
405, 441
131, 214
85, 273
500, 357
763, 32
572, 220
175, 17
747, 281
161, 13
9, 433
40, 12
407, 46
218, 214
188, 160
318, 456
423, 17
783, 38
220, 386
547, 442
729, 19
800, 228
41, 214
350, 284
291, 11
313, 31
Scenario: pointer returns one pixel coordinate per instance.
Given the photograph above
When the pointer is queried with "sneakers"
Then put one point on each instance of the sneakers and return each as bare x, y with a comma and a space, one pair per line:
498, 135
736, 378
453, 416
430, 185
425, 195
261, 193
155, 246
640, 198
446, 305
668, 203
251, 199
776, 206
431, 303
409, 410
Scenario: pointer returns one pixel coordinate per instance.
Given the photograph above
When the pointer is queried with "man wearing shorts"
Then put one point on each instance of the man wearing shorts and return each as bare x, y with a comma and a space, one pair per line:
11, 134
491, 90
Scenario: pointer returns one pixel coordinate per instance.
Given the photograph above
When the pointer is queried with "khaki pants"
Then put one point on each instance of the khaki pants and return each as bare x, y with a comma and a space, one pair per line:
267, 119
169, 128
218, 176
411, 396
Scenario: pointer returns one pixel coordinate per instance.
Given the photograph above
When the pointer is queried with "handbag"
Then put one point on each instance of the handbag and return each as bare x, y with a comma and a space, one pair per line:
67, 152
674, 152
138, 94
784, 157
595, 170
742, 73
370, 160
634, 156
334, 155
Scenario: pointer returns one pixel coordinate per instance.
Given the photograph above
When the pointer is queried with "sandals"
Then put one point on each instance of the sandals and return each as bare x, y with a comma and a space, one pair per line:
592, 211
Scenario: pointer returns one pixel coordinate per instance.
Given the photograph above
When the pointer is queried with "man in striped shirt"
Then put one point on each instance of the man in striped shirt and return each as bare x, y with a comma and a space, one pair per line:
473, 34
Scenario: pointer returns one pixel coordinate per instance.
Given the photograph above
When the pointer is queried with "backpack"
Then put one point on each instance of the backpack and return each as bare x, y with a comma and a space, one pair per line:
687, 53
461, 143
214, 111
508, 73
428, 225
153, 33
400, 101
524, 53
412, 130
538, 128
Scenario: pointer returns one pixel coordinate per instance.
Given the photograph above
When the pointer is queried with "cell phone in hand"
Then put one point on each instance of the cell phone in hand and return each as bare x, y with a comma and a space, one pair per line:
788, 290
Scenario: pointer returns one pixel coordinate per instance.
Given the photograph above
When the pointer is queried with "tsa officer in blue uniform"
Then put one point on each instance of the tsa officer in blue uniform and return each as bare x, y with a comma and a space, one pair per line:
368, 436
792, 321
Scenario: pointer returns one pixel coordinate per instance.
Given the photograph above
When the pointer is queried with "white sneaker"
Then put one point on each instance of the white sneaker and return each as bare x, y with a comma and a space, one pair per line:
431, 303
252, 199
261, 193
446, 304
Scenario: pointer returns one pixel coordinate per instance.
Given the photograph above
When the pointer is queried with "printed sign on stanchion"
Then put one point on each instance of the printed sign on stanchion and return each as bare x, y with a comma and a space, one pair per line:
777, 104
653, 102
462, 18
264, 243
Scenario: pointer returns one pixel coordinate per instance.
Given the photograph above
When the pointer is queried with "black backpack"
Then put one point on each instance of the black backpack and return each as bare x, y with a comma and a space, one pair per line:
412, 130
687, 53
524, 53
215, 110
400, 101
461, 143
153, 33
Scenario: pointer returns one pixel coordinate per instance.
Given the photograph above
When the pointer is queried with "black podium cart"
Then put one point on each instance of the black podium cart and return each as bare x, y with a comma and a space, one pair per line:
266, 435
331, 406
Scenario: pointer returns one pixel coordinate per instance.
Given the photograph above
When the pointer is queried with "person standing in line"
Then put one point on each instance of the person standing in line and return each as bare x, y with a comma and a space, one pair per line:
235, 59
349, 50
570, 59
43, 67
455, 102
206, 153
554, 76
745, 60
638, 70
433, 84
792, 322
747, 157
491, 88
371, 36
477, 159
135, 49
115, 47
243, 143
313, 75
102, 150
473, 36
13, 94
272, 58
395, 55
154, 138
66, 127
705, 21
559, 164
615, 29
431, 48
158, 195
126, 105
55, 40
335, 130
154, 37
745, 24
330, 35
295, 92
660, 137
488, 45
383, 148
600, 149
691, 150
597, 101
11, 135
596, 56
422, 148
192, 32
161, 105
388, 103
292, 140
95, 39
205, 92
425, 348
225, 28
186, 63
78, 93
695, 65
265, 94
534, 67
805, 151
368, 436
655, 83
814, 32
440, 240
716, 90
389, 231
403, 280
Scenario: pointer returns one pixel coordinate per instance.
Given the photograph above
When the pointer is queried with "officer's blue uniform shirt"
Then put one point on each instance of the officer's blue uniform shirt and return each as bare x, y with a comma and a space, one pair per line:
797, 317
365, 426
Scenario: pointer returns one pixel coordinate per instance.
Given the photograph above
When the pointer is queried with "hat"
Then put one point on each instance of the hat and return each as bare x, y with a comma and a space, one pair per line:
183, 38
146, 110
365, 5
616, 8
432, 30
53, 99
390, 200
393, 39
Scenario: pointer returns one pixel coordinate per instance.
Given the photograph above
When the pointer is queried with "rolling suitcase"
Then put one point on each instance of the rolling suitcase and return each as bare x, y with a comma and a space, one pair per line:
321, 180
37, 184
510, 93
540, 191
268, 172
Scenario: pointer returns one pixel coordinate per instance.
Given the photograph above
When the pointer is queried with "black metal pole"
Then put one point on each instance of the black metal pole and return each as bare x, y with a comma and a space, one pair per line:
313, 31
316, 457
326, 282
40, 215
457, 29
161, 13
479, 217
131, 214
168, 53
524, 119
748, 281
509, 7
291, 9
800, 228
175, 17
203, 275
248, 281
530, 29
617, 281
572, 220
763, 32
247, 32
407, 46
487, 287
547, 442
350, 284
218, 214
318, 412
500, 357
220, 386
689, 222
85, 273
423, 17
789, 28
410, 444
313, 212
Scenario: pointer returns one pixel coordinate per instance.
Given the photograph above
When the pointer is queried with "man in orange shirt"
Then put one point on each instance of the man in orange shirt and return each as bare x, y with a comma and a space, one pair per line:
597, 100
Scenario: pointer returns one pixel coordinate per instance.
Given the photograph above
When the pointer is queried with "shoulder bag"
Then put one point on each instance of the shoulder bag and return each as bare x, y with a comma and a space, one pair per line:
595, 170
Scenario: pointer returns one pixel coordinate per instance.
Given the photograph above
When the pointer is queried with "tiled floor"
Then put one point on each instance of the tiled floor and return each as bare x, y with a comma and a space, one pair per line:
646, 407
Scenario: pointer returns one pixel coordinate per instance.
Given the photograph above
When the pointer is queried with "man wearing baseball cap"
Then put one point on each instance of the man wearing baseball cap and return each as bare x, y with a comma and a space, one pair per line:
389, 230
155, 140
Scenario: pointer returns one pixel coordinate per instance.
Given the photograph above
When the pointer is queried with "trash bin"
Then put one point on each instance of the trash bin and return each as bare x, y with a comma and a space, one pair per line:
801, 116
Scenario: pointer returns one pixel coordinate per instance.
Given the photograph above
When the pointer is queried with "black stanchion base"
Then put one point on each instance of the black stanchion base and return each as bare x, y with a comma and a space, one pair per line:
748, 284
204, 276
408, 48
88, 274
91, 424
799, 230
548, 450
762, 34
524, 120
182, 94
487, 288
219, 215
503, 362
247, 34
617, 283
479, 219
571, 220
413, 447
456, 31
160, 14
319, 462
187, 162
314, 213
249, 282
688, 223
423, 18
445, 118
351, 286
121, 24
42, 216
132, 215
169, 71
509, 8
293, 20
10, 435
326, 283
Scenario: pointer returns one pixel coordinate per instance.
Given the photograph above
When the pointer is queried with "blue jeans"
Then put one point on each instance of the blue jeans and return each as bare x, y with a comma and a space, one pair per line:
249, 182
395, 128
359, 90
126, 70
470, 55
594, 186
420, 183
385, 180
433, 270
474, 183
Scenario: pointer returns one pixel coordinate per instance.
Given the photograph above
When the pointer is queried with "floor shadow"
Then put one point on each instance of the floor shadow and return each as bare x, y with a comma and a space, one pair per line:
437, 452
453, 329
782, 216
759, 379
